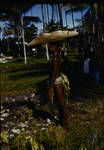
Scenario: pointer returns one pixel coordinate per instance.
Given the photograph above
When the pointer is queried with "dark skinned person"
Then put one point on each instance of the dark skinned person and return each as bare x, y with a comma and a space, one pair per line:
55, 85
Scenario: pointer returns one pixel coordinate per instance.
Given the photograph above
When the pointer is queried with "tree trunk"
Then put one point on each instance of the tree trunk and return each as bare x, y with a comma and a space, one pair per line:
82, 19
66, 19
24, 47
52, 13
72, 17
43, 16
60, 13
57, 13
47, 13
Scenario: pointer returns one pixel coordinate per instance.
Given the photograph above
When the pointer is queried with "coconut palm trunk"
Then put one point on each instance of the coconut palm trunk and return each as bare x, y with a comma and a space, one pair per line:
60, 13
52, 18
47, 12
100, 14
42, 11
81, 10
66, 19
23, 37
57, 13
72, 17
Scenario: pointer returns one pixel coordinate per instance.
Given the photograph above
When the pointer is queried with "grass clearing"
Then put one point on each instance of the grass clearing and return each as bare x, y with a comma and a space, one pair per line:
17, 76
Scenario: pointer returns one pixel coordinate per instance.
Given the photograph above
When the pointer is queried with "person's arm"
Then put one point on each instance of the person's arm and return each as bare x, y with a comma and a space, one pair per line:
53, 78
54, 71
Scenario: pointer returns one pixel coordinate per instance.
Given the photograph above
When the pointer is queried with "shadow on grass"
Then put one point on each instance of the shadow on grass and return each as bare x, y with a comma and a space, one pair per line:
35, 111
23, 67
28, 74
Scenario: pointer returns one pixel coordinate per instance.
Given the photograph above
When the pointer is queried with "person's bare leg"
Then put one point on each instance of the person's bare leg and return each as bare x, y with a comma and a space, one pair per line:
61, 102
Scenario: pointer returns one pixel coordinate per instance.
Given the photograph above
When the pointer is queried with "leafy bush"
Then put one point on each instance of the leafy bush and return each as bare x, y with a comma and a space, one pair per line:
54, 138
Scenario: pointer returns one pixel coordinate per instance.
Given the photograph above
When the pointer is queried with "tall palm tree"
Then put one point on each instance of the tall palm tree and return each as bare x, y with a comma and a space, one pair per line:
52, 18
75, 8
70, 11
0, 32
60, 13
72, 17
47, 12
43, 19
100, 14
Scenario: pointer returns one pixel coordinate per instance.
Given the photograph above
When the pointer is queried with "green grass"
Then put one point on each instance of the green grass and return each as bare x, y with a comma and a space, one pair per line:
19, 63
20, 77
17, 76
85, 124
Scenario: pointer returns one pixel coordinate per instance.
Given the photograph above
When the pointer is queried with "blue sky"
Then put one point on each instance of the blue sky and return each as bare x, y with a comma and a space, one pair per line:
36, 11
